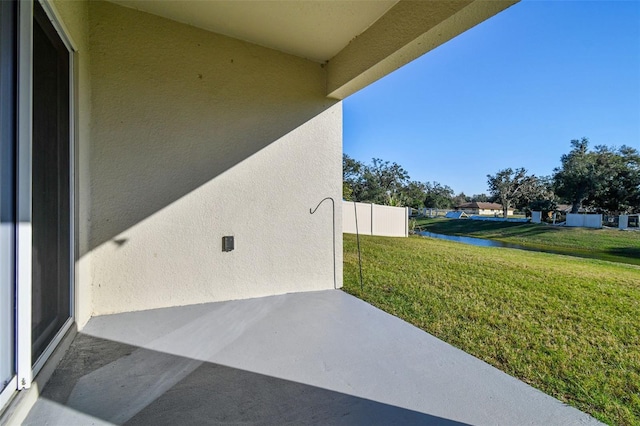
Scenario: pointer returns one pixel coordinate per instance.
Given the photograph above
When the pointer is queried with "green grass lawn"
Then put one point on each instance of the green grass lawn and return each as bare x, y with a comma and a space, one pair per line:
568, 326
610, 244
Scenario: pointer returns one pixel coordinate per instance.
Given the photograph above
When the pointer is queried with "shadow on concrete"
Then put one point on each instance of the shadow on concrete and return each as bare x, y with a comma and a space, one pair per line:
124, 384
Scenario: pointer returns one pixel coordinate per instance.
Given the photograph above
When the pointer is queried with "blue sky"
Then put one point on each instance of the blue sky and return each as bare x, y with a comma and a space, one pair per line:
510, 92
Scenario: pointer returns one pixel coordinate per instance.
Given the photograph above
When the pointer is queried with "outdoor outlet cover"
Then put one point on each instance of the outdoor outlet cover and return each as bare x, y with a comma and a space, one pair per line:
227, 243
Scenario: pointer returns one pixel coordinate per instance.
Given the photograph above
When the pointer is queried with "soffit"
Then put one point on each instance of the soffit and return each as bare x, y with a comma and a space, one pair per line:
312, 29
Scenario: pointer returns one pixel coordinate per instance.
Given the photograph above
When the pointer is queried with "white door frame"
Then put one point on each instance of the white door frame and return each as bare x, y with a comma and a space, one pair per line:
26, 370
8, 230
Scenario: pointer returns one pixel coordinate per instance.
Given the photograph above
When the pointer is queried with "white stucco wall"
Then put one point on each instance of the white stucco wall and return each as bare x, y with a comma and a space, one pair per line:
75, 19
196, 136
184, 136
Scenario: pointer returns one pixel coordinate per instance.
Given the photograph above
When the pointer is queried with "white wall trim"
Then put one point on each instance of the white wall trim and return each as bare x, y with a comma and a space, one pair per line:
52, 12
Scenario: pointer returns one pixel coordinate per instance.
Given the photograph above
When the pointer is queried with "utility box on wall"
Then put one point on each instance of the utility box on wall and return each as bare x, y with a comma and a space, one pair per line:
227, 243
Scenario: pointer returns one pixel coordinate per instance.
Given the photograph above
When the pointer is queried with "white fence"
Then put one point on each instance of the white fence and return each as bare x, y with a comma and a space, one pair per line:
584, 220
623, 221
536, 217
385, 221
626, 221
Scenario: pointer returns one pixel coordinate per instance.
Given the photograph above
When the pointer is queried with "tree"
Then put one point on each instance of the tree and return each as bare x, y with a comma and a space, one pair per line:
576, 179
438, 196
481, 198
381, 182
539, 197
618, 174
539, 193
391, 177
605, 178
413, 194
351, 177
508, 185
347, 192
459, 199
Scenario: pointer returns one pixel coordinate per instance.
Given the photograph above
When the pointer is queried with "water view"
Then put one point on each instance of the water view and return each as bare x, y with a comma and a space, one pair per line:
483, 242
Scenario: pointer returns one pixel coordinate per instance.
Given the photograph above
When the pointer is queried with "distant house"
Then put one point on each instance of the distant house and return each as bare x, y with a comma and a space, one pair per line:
480, 208
566, 208
563, 208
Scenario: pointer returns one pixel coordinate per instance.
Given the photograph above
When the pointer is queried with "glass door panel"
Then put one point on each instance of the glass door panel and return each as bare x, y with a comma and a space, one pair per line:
51, 192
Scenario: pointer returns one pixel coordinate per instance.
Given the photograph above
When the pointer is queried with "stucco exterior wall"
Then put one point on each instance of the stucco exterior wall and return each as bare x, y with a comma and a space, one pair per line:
196, 136
74, 16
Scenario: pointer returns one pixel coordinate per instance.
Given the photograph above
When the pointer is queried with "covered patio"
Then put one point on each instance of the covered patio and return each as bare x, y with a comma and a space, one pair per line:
175, 126
304, 358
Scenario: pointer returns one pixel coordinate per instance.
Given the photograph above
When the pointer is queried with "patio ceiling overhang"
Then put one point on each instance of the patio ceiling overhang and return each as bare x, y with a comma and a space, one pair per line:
360, 41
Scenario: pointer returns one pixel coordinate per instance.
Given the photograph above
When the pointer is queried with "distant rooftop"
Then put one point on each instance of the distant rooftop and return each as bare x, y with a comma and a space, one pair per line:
480, 205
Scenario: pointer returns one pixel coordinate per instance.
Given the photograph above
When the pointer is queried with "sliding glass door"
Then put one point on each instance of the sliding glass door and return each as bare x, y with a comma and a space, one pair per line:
51, 209
35, 192
7, 194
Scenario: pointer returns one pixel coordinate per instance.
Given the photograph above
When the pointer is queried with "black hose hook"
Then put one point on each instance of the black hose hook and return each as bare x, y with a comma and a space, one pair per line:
333, 207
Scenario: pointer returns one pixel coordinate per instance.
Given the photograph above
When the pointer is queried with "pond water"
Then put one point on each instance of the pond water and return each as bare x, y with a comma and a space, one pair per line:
482, 242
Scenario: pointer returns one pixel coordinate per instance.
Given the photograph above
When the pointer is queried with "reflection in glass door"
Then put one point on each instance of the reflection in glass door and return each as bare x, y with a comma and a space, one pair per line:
51, 209
7, 193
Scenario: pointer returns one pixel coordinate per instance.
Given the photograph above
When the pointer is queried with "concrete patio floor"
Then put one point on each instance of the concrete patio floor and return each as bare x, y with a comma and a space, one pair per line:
306, 358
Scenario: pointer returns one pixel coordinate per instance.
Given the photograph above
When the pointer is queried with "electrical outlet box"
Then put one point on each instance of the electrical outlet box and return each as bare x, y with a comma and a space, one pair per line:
227, 243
